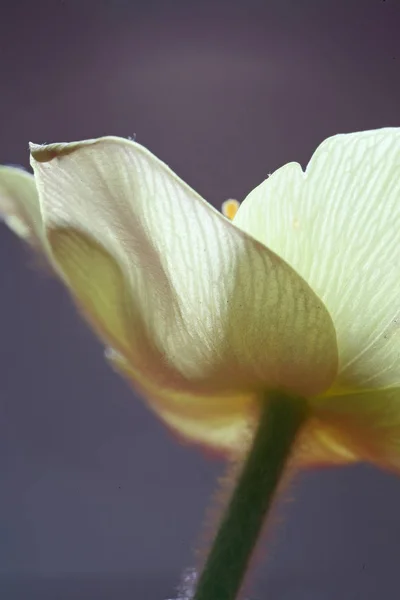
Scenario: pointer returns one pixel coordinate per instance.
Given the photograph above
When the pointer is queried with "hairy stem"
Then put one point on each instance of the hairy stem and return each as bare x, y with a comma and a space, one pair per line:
280, 421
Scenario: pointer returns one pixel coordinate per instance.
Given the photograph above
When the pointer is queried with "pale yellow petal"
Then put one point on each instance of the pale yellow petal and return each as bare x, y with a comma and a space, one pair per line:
215, 309
319, 444
221, 422
338, 225
220, 310
225, 423
99, 287
365, 425
19, 205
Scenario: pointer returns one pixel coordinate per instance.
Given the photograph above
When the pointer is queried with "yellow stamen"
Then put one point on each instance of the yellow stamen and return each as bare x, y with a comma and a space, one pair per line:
229, 208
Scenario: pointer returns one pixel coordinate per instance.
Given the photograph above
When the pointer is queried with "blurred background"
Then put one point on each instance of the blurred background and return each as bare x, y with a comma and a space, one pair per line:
97, 500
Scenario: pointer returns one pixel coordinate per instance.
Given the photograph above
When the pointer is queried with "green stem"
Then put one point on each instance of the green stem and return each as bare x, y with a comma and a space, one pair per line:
281, 419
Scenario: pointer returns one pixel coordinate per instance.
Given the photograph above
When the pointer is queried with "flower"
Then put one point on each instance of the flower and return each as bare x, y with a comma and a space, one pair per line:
299, 292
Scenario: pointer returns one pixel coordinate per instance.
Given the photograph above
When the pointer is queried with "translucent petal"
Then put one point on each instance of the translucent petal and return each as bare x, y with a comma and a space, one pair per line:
222, 422
19, 204
321, 445
209, 308
225, 422
98, 284
366, 425
338, 225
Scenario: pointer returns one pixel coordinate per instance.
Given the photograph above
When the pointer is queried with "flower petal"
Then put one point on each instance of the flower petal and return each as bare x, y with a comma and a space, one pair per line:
321, 445
366, 425
19, 205
215, 309
99, 285
221, 422
226, 422
338, 225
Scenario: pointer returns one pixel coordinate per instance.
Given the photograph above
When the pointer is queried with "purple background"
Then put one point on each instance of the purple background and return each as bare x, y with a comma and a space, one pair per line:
97, 500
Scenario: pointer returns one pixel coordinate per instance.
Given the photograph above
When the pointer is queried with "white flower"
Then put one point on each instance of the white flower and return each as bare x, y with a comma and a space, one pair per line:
300, 292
